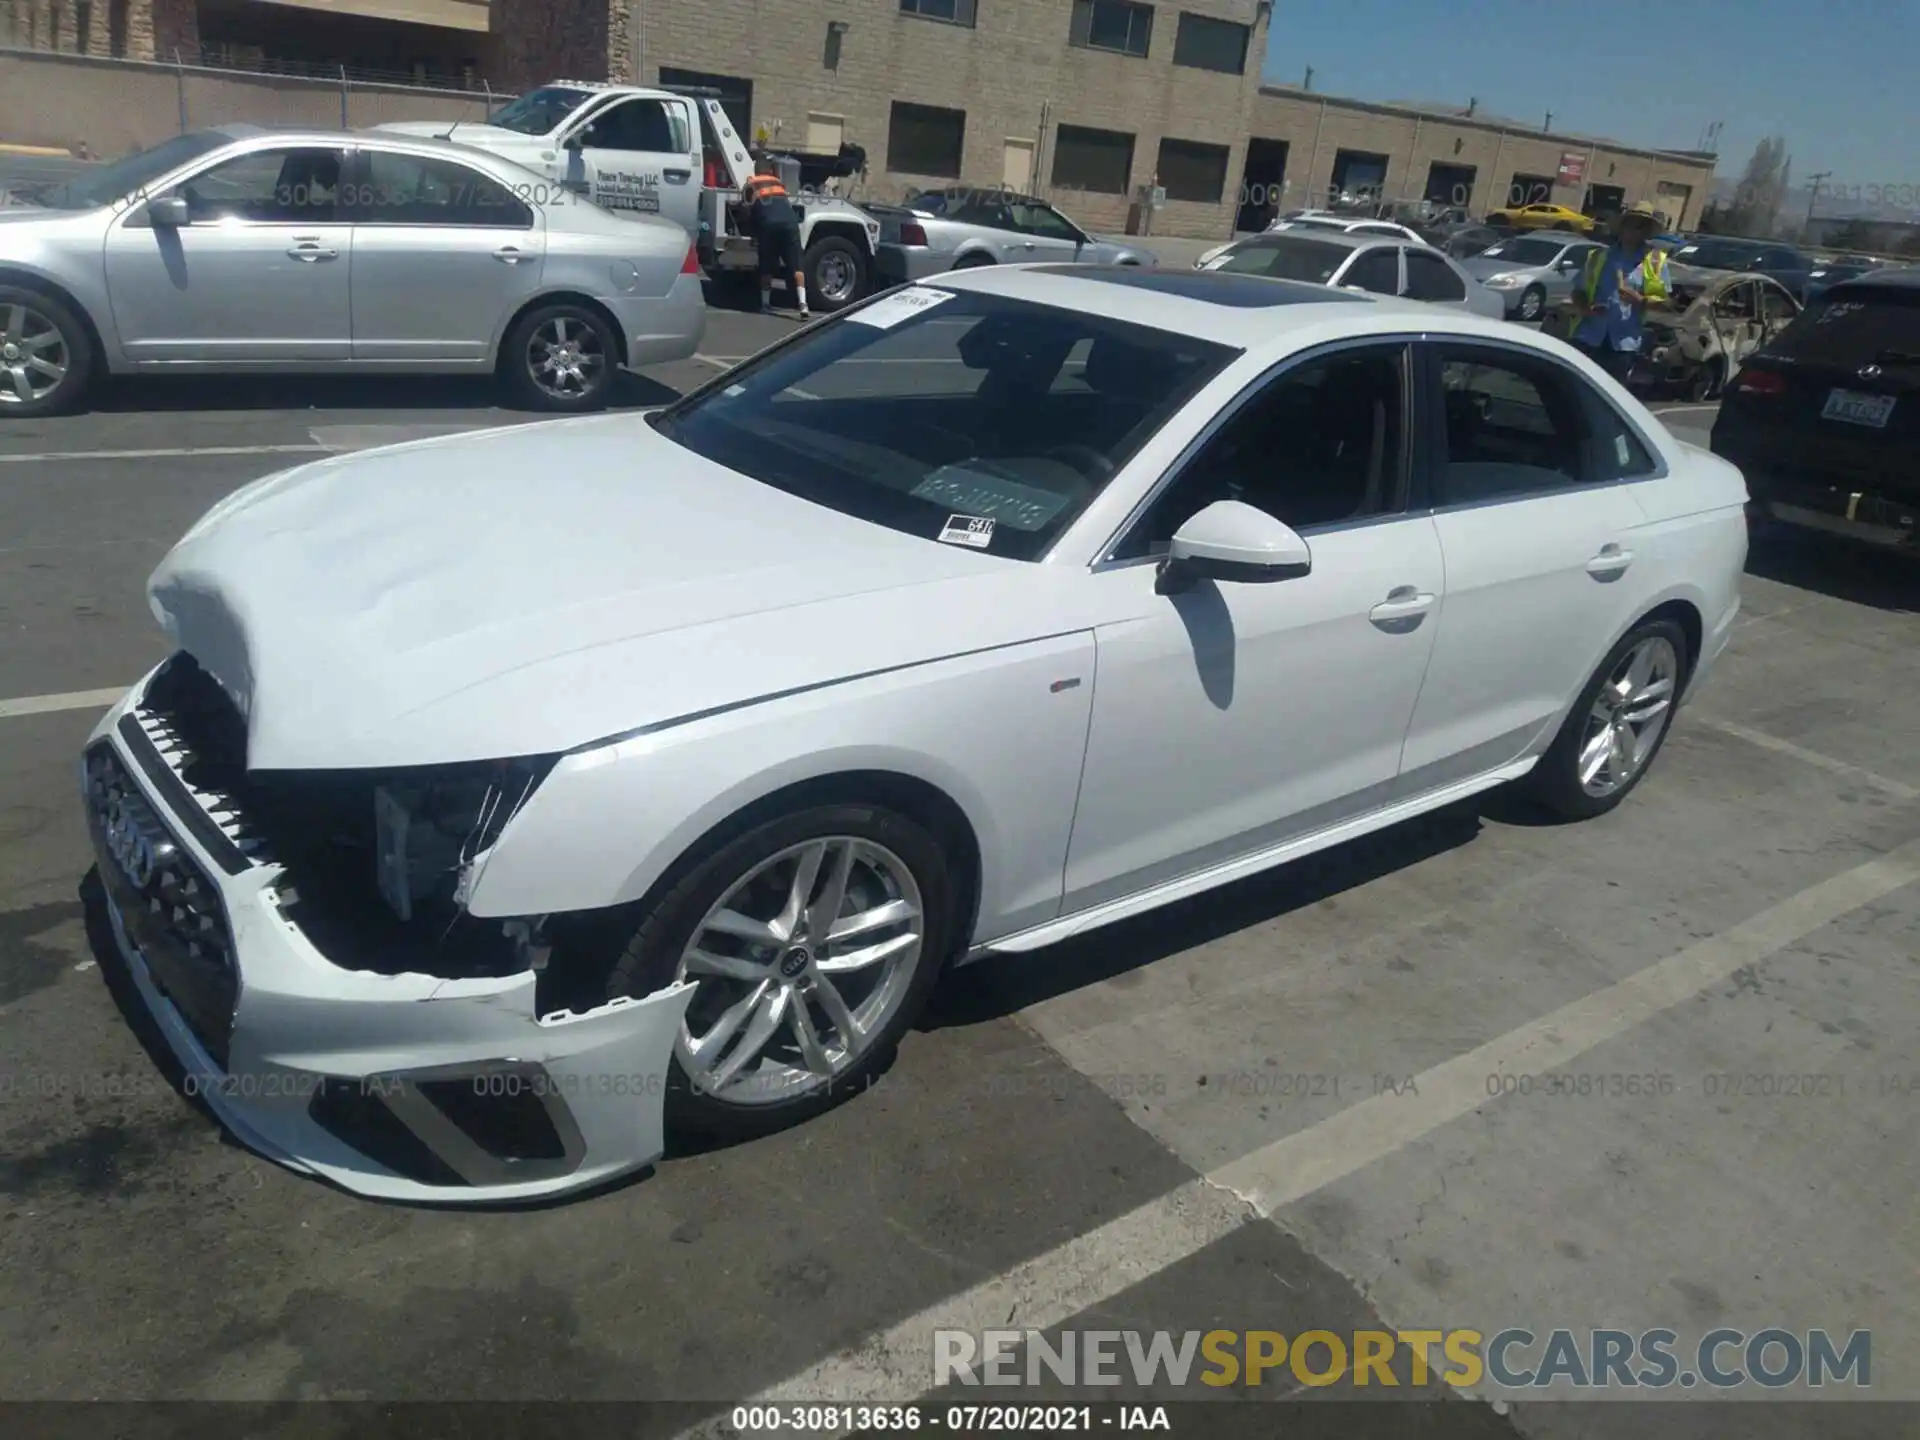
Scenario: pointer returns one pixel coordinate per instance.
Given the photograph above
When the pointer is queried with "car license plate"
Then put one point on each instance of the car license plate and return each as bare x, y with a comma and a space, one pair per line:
1858, 409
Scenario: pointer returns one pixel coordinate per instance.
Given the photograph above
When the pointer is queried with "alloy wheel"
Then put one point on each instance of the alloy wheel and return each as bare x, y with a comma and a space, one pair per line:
565, 357
34, 356
799, 966
1628, 717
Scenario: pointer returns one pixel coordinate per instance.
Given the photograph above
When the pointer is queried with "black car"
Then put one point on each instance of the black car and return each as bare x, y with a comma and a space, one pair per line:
1824, 420
1827, 274
1789, 266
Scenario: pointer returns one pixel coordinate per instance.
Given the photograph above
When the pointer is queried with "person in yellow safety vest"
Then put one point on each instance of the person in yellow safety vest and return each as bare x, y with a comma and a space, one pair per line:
1614, 291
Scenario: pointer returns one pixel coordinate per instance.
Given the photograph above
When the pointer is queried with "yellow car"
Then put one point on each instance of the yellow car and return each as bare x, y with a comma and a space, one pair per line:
1542, 217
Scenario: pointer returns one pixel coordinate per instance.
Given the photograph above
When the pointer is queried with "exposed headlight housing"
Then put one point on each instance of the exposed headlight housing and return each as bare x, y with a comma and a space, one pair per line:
430, 825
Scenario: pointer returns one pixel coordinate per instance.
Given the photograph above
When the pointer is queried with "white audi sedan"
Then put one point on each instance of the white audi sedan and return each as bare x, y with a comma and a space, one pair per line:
517, 800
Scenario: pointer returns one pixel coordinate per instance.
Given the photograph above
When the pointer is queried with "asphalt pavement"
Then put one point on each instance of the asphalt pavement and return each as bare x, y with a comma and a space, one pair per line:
1291, 1105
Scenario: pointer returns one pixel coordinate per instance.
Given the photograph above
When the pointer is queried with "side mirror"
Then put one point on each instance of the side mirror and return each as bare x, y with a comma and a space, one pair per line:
168, 212
1234, 542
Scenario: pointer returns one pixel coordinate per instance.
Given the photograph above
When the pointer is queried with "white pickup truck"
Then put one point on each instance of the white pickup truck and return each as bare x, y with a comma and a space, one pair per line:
667, 153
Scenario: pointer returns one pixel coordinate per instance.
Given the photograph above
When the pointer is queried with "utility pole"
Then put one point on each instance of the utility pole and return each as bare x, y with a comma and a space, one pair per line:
1814, 196
1307, 84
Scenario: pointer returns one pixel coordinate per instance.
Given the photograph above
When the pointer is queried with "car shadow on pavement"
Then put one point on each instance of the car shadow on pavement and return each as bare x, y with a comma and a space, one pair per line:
1835, 567
137, 394
1000, 985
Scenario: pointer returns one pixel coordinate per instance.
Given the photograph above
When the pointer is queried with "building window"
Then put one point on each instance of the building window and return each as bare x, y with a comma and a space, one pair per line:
1098, 160
1112, 25
1203, 43
925, 140
1192, 171
954, 12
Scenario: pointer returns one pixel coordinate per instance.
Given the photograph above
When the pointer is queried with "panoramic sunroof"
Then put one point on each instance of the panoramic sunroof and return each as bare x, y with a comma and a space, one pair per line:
1241, 292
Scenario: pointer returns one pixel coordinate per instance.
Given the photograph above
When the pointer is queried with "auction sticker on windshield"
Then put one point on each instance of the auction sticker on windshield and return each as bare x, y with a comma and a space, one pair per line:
973, 531
912, 301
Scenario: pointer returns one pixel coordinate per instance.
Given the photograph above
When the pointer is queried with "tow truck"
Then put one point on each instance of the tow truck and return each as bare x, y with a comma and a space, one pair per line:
671, 152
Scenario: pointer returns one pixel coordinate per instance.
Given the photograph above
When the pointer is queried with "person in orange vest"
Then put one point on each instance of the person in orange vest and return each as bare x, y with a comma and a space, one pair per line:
775, 227
1611, 299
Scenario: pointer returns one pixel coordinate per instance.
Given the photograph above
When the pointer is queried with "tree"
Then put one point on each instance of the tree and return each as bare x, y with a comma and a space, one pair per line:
1755, 206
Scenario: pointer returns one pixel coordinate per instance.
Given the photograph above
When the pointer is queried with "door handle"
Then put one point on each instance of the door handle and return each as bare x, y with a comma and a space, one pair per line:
509, 254
1403, 602
312, 251
1611, 561
677, 175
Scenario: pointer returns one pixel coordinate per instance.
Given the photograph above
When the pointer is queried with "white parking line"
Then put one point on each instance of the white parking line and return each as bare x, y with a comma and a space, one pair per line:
187, 452
1895, 788
51, 704
1097, 1267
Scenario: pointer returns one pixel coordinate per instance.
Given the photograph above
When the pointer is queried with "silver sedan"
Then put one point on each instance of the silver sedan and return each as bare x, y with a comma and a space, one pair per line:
1378, 265
246, 249
959, 229
1532, 273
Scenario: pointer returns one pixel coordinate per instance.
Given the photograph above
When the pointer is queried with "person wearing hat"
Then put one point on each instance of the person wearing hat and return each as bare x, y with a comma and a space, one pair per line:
1617, 286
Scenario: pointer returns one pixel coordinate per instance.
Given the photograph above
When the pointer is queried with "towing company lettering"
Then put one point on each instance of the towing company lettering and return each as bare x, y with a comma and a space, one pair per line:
628, 190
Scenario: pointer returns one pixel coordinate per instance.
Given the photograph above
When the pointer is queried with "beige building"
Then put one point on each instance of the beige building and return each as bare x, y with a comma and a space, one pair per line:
1096, 103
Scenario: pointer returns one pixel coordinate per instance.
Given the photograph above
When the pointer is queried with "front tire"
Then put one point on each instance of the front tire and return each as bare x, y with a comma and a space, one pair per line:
561, 357
814, 940
836, 273
1533, 304
1609, 739
46, 355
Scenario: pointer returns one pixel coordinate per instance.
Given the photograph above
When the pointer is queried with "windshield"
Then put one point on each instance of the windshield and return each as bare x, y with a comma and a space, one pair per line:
539, 111
1294, 258
1855, 325
1527, 252
103, 184
1716, 255
966, 418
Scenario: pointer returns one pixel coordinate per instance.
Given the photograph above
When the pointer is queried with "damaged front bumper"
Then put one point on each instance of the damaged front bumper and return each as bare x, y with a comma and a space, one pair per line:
402, 1086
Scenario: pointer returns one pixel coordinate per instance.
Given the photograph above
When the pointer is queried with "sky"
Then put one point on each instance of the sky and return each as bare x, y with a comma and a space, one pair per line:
1835, 78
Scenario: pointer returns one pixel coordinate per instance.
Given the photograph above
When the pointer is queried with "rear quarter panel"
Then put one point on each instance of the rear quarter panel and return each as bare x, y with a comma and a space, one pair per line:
1695, 532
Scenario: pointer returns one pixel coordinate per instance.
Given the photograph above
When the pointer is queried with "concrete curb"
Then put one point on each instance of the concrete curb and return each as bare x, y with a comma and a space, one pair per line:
36, 150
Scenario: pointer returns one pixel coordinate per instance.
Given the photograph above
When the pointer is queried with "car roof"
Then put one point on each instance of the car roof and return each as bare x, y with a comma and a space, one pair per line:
1248, 312
1321, 235
1886, 277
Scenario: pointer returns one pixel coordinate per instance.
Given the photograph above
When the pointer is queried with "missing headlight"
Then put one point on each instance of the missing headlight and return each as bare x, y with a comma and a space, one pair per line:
429, 826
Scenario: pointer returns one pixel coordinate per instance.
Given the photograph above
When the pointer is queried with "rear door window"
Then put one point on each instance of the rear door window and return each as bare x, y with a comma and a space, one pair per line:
1377, 270
1431, 278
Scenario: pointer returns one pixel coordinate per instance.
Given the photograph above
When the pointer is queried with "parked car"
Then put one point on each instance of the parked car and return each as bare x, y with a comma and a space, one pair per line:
1825, 418
672, 153
1699, 341
1828, 273
1359, 262
1465, 241
1542, 217
243, 249
1320, 220
1531, 272
1701, 253
956, 230
410, 846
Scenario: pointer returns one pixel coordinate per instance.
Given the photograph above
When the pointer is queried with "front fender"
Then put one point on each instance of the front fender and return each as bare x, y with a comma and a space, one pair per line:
1002, 733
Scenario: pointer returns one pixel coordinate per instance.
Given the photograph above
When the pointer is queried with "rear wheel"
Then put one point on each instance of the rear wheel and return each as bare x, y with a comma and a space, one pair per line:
1706, 381
836, 273
46, 356
561, 357
1617, 726
813, 941
972, 262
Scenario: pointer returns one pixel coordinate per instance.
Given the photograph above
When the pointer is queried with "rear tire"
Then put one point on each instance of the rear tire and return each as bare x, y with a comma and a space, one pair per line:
894, 862
971, 262
1706, 381
46, 355
1615, 729
836, 273
561, 357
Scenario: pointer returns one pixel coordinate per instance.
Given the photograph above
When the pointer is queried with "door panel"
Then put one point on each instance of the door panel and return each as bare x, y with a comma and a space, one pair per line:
642, 155
442, 255
1045, 234
1016, 166
259, 275
1539, 556
1233, 716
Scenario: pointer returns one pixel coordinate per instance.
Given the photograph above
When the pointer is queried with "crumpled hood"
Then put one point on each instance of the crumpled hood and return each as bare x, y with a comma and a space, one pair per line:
535, 588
